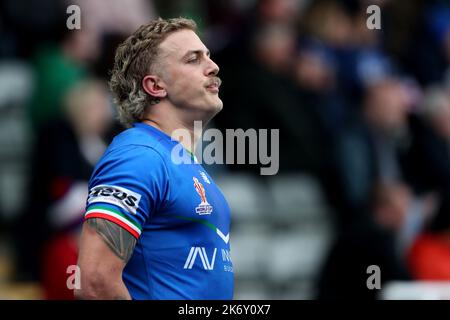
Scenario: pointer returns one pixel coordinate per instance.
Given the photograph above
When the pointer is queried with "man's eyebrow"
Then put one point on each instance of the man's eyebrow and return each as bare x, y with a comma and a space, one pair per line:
196, 52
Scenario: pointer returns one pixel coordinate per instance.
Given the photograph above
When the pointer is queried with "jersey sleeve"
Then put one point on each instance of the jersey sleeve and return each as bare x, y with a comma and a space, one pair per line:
127, 186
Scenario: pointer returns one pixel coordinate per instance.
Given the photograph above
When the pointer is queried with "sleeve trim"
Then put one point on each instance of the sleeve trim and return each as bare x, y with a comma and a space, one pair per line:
110, 216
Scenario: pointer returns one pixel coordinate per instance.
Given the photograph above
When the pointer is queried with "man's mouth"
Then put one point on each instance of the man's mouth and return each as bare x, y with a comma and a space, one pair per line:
214, 85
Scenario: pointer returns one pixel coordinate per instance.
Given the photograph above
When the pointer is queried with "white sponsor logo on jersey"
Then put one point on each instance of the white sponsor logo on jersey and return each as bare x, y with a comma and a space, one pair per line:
124, 198
201, 252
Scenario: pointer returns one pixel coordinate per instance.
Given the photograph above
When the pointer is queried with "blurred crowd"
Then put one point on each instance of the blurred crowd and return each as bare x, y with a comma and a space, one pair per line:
365, 112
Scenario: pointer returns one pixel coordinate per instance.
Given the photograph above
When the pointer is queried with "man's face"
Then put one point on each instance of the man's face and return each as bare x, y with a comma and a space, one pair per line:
386, 105
188, 74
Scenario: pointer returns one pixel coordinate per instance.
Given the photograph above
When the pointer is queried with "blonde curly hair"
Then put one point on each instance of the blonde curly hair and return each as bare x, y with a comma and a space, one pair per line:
135, 58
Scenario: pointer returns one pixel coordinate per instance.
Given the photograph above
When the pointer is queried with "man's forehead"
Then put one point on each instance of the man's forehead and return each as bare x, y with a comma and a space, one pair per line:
180, 42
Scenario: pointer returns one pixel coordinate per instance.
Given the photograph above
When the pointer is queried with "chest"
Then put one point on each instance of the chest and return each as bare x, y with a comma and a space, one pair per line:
194, 197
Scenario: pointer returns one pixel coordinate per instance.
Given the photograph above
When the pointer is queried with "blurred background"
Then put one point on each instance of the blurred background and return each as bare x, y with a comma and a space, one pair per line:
364, 120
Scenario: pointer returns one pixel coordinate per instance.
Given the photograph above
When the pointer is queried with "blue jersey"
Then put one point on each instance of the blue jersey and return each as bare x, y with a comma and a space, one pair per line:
177, 213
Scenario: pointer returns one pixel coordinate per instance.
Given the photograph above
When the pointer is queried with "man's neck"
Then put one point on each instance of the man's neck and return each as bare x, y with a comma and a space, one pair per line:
172, 126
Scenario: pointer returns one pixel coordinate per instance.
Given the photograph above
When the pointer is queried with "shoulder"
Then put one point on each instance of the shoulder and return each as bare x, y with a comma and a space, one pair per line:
136, 140
132, 160
141, 138
139, 152
132, 156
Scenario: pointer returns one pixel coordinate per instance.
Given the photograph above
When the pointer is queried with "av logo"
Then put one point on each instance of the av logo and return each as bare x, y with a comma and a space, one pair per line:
200, 251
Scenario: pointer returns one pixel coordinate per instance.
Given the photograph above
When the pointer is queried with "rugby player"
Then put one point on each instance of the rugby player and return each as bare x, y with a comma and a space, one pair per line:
155, 229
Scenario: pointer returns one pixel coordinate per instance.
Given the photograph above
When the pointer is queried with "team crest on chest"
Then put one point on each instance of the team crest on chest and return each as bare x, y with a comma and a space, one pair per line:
204, 207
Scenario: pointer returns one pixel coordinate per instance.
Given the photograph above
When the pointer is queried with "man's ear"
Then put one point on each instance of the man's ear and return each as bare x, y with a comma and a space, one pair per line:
153, 86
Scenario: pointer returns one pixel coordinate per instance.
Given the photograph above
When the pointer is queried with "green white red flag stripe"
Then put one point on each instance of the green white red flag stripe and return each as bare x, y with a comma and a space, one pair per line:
116, 217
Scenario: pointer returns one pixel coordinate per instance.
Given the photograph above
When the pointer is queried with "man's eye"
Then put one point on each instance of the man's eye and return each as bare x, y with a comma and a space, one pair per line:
193, 60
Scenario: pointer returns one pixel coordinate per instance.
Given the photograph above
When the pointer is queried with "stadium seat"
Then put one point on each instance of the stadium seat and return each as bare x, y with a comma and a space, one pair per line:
297, 254
248, 251
297, 198
246, 195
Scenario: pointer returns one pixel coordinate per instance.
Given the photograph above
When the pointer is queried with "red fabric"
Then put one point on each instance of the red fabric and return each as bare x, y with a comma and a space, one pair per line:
429, 258
59, 254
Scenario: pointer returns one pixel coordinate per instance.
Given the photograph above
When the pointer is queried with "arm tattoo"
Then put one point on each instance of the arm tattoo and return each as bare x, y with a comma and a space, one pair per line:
120, 241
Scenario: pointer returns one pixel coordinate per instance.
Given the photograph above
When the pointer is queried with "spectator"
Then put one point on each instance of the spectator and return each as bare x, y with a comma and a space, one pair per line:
370, 240
372, 147
430, 147
58, 67
64, 155
88, 117
265, 97
429, 52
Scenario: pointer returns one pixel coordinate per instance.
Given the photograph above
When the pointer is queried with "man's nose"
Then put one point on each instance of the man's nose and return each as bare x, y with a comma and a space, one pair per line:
212, 69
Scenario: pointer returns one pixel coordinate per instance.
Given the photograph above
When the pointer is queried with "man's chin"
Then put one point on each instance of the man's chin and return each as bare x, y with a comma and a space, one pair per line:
215, 104
219, 105
213, 110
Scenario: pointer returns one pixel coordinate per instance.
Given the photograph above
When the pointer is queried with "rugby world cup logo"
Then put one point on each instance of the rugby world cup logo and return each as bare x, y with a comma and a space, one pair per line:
204, 207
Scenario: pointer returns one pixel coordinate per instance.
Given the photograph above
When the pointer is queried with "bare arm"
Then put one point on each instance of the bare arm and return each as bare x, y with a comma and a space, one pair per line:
105, 249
